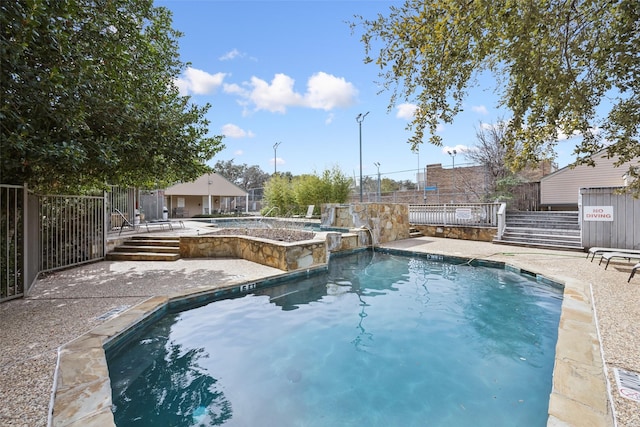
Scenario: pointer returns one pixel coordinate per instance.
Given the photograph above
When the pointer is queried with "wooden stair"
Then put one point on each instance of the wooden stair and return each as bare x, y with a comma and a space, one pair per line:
142, 248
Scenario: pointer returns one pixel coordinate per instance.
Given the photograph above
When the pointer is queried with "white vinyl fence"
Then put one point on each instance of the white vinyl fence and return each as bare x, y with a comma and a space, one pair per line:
461, 214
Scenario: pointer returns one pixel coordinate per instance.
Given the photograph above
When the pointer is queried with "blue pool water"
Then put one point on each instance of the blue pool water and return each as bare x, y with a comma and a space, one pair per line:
380, 340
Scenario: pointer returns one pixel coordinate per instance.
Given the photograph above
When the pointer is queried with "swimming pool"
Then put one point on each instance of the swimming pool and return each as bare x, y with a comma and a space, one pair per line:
380, 340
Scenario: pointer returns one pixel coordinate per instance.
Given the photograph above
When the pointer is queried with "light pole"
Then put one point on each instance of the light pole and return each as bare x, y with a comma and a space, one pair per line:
360, 118
377, 164
275, 158
453, 172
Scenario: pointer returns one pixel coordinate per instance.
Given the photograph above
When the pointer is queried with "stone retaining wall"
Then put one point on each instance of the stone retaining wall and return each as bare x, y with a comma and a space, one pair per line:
387, 222
282, 255
458, 232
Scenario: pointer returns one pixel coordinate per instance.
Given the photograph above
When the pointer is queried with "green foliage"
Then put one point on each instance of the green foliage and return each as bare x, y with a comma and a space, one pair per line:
278, 193
294, 195
504, 187
243, 176
554, 62
87, 97
388, 185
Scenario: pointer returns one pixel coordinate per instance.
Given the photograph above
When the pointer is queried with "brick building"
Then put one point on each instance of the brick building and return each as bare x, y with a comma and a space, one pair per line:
464, 184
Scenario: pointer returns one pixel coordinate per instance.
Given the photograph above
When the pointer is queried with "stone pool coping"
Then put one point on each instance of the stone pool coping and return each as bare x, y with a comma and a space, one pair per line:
82, 392
82, 388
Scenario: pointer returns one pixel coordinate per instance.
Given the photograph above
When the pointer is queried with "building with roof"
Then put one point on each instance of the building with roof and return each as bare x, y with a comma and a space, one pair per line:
560, 190
210, 193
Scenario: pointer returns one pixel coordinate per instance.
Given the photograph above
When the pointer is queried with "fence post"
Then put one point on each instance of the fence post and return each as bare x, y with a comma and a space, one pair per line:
25, 239
445, 215
106, 222
501, 220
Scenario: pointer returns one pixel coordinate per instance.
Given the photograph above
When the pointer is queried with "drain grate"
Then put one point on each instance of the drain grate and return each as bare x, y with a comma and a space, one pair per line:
628, 384
113, 312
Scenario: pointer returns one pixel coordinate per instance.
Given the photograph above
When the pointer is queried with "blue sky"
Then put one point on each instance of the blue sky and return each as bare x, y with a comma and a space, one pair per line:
291, 72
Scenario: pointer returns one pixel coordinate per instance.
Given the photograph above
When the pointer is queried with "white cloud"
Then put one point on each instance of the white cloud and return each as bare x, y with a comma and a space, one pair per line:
274, 97
234, 88
481, 109
563, 136
324, 92
406, 111
233, 131
279, 160
198, 82
232, 54
329, 119
238, 153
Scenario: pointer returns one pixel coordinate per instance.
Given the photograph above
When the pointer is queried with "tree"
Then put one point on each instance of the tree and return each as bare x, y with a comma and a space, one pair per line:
388, 185
278, 193
490, 151
88, 97
292, 196
555, 62
408, 185
244, 176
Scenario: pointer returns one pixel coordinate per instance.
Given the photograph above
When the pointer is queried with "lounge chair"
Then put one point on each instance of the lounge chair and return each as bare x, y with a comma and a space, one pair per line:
633, 271
125, 222
599, 250
625, 255
310, 211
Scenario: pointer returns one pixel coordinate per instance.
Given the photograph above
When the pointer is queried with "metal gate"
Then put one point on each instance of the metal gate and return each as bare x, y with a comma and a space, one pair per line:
71, 231
45, 233
12, 233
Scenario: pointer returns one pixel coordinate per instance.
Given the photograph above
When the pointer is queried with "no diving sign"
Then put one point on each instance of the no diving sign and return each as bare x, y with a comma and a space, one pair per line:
598, 213
628, 384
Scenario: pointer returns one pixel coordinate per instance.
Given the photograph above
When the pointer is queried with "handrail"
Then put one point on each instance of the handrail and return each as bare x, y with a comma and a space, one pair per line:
268, 212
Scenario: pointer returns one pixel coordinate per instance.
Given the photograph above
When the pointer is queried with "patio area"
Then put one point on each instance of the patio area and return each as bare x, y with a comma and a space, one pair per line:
65, 305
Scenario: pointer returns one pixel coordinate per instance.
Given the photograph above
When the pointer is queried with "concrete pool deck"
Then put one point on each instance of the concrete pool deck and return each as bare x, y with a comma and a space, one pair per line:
66, 305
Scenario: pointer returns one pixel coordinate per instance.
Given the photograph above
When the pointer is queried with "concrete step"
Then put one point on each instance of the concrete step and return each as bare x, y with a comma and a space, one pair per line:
539, 237
153, 248
141, 256
558, 230
568, 225
545, 245
147, 248
541, 214
140, 237
153, 241
543, 239
544, 220
530, 231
